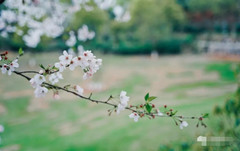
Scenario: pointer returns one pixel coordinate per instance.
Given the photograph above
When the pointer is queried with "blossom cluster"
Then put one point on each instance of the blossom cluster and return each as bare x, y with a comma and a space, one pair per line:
8, 66
87, 62
82, 35
33, 19
36, 83
35, 16
39, 17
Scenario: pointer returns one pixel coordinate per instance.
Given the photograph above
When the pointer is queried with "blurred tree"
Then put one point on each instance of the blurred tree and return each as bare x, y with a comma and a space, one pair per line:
93, 19
151, 25
207, 13
211, 16
153, 19
228, 122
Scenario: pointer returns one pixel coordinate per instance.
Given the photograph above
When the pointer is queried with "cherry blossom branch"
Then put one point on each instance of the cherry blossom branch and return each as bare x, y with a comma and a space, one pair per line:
90, 65
21, 73
49, 72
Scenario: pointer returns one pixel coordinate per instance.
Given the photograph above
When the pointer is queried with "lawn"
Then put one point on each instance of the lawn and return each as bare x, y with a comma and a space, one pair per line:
189, 83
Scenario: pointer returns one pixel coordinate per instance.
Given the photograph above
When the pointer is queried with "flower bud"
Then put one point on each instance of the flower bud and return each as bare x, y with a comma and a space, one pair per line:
56, 96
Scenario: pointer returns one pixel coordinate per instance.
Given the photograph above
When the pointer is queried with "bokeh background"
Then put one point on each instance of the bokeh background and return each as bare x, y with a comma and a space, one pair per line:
185, 52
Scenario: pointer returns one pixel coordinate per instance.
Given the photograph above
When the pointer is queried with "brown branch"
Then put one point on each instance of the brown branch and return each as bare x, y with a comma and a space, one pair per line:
29, 72
21, 73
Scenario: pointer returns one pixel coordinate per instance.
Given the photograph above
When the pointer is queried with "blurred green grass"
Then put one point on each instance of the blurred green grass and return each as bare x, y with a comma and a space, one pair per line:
225, 70
72, 124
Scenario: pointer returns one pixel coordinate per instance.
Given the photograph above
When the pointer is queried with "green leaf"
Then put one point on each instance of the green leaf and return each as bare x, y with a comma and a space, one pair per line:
42, 66
146, 96
151, 98
148, 108
205, 115
67, 86
174, 113
54, 68
20, 52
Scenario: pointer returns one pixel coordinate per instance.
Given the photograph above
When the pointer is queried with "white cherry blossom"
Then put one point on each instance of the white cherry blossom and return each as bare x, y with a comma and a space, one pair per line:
88, 55
135, 116
123, 101
32, 38
84, 34
72, 39
37, 80
183, 124
4, 68
41, 71
65, 59
73, 63
33, 83
82, 62
61, 67
79, 89
40, 91
159, 113
14, 64
120, 108
123, 98
98, 62
55, 77
59, 75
